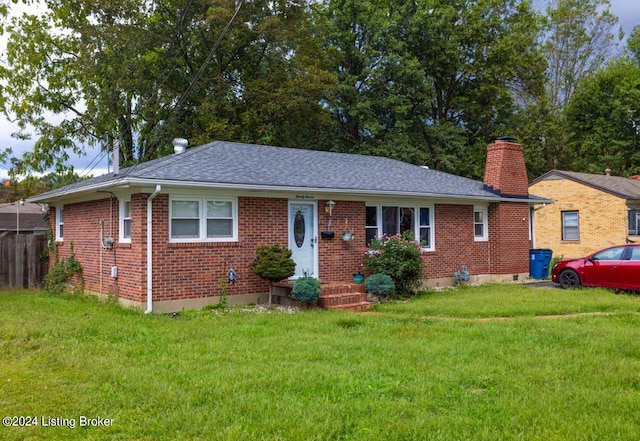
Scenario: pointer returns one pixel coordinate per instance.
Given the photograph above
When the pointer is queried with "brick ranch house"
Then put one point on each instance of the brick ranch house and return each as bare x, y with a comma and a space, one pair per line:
162, 234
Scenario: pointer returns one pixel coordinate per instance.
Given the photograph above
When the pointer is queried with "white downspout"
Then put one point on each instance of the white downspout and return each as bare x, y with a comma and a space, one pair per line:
101, 222
149, 250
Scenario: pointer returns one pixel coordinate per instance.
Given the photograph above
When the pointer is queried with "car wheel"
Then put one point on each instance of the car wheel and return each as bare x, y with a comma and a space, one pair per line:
569, 279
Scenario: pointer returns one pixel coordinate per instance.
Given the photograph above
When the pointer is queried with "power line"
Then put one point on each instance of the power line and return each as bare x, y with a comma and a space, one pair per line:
196, 78
209, 56
97, 160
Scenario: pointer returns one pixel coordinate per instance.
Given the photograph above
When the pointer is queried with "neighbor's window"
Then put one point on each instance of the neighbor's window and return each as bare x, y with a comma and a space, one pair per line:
570, 225
203, 219
634, 222
480, 229
384, 219
59, 223
125, 221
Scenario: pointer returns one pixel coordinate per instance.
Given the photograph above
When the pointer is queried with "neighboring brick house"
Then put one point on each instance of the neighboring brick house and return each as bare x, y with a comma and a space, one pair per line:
205, 210
589, 212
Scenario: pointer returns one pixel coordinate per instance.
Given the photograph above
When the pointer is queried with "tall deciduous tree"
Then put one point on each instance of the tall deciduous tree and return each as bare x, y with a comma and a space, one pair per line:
142, 72
580, 37
633, 43
427, 81
603, 118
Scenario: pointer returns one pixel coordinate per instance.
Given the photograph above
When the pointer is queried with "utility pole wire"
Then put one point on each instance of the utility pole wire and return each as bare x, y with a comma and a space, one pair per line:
209, 56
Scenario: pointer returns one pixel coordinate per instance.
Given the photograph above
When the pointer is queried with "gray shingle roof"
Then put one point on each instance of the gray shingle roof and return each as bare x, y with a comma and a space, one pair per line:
232, 164
622, 187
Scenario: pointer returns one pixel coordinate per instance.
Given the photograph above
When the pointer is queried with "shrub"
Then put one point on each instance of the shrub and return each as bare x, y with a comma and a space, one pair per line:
380, 285
57, 279
306, 289
273, 263
400, 258
555, 260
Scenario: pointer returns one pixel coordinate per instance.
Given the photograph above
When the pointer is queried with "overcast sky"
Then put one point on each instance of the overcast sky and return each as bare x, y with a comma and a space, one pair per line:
628, 11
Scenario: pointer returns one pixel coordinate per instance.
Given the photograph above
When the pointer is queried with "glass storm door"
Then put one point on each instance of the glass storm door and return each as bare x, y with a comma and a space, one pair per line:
303, 238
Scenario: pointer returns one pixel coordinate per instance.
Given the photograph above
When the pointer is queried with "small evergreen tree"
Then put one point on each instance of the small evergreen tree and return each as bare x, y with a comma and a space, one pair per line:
380, 286
307, 289
273, 263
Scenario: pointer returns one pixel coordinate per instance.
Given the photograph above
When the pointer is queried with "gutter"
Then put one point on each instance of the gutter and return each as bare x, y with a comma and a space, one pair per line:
150, 249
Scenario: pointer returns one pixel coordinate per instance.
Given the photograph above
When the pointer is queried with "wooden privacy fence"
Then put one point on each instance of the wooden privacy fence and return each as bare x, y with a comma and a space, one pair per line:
22, 264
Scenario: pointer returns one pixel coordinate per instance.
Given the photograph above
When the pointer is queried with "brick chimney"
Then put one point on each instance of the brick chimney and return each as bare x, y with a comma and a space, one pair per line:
505, 170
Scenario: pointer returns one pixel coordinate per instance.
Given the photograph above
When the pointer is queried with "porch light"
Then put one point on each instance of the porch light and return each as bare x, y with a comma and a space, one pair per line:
329, 207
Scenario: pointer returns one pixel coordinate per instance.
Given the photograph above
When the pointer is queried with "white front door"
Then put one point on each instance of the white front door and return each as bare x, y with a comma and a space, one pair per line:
303, 237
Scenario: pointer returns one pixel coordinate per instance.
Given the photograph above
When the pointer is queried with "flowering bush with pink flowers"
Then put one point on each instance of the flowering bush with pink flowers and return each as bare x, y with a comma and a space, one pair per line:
399, 257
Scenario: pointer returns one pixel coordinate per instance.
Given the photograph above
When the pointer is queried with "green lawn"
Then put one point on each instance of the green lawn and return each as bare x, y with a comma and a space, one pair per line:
480, 363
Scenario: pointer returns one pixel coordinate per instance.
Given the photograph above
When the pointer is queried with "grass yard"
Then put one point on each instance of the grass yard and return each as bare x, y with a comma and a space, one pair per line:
479, 363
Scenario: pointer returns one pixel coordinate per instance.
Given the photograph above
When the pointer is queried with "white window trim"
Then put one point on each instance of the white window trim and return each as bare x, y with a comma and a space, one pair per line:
416, 226
202, 226
122, 238
59, 223
485, 223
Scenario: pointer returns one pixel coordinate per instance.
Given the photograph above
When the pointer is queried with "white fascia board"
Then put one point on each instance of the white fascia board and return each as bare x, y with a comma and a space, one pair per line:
79, 194
332, 191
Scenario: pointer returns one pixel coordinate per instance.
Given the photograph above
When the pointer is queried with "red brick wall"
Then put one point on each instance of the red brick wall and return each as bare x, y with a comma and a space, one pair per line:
82, 233
505, 169
509, 245
194, 270
454, 243
506, 251
339, 260
509, 233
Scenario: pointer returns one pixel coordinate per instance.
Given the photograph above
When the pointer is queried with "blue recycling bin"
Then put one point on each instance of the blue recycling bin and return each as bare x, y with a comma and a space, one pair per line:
539, 260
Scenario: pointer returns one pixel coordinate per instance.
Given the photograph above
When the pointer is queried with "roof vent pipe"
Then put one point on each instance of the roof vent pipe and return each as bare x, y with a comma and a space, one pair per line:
607, 172
179, 145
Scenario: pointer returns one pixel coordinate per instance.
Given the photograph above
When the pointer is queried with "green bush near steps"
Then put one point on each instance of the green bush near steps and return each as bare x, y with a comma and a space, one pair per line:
398, 256
306, 290
380, 286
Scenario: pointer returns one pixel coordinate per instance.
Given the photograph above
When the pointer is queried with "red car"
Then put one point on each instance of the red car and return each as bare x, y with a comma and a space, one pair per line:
616, 267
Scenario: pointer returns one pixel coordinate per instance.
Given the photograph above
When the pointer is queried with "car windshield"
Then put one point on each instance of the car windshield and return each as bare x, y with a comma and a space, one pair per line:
610, 254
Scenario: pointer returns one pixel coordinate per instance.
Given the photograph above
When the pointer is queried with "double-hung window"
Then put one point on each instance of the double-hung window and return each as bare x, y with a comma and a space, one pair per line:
125, 221
203, 219
390, 220
219, 219
480, 227
59, 223
570, 225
